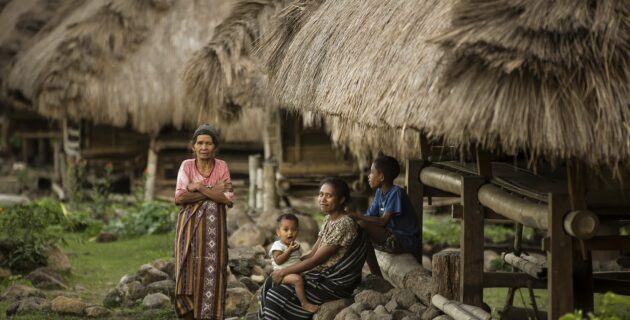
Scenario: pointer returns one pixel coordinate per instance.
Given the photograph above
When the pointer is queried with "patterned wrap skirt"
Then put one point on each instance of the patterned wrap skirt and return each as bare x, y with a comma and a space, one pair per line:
201, 260
337, 282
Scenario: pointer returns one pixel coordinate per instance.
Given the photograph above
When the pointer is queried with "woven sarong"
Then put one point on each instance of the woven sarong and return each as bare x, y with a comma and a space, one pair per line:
201, 260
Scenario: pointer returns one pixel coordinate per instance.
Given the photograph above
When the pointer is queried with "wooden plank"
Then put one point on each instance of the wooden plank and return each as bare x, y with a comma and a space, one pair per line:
457, 212
559, 258
511, 280
484, 166
425, 148
414, 190
437, 193
603, 285
471, 243
605, 243
39, 135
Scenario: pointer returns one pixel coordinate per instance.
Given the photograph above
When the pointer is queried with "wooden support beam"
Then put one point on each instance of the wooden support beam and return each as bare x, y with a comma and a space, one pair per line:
471, 243
583, 225
415, 191
152, 159
511, 280
484, 164
605, 243
559, 258
603, 285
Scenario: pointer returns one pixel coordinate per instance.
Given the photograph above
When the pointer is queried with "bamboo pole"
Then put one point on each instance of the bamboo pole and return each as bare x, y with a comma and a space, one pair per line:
254, 164
581, 224
442, 179
452, 308
532, 269
149, 187
518, 209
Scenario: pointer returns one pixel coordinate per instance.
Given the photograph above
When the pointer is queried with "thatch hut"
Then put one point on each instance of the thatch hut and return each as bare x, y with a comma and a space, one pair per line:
227, 79
546, 78
116, 63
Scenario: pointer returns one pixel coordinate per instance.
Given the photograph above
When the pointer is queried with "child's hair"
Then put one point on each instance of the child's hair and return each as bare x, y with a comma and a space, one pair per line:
388, 166
341, 188
288, 216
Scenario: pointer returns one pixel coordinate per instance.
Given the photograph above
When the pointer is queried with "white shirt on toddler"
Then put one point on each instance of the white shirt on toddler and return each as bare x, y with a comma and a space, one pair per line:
294, 257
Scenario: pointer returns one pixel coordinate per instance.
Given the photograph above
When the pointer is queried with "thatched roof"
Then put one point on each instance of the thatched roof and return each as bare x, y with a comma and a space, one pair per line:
117, 62
365, 65
20, 22
549, 77
224, 76
552, 77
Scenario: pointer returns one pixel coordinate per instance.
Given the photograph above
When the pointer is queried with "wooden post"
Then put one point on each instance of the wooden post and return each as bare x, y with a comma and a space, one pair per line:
425, 148
259, 188
56, 144
471, 243
415, 191
4, 134
152, 159
254, 164
559, 258
270, 198
484, 164
445, 269
582, 260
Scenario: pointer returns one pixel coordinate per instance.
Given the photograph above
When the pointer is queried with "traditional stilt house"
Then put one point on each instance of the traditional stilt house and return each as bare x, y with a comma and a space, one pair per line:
544, 79
109, 71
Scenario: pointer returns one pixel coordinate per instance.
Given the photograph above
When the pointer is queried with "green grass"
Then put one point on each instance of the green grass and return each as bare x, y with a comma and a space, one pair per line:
98, 267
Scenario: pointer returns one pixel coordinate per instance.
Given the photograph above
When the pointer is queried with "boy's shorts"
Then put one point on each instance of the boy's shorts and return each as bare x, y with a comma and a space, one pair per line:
391, 243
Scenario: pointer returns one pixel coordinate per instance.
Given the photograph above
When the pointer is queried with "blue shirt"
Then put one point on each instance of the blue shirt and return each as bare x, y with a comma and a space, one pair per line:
403, 223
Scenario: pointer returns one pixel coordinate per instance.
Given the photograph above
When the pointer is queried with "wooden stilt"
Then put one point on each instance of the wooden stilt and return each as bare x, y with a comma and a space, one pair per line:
445, 269
270, 198
559, 258
471, 243
152, 159
414, 190
254, 164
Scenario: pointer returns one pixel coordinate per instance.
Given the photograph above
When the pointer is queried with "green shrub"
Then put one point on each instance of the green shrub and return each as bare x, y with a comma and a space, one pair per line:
613, 307
148, 218
28, 231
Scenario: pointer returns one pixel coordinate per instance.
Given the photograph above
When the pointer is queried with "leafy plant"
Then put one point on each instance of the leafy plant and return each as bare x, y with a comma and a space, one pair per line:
148, 218
28, 231
613, 307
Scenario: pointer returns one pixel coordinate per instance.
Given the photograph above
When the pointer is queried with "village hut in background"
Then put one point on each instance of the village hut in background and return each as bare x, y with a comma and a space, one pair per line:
22, 131
110, 72
548, 79
226, 79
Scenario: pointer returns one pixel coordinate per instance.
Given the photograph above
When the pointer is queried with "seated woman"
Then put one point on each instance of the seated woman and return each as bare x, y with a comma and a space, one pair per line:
332, 270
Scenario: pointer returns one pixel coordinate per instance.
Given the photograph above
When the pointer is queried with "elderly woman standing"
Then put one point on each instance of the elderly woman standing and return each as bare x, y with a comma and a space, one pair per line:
203, 191
332, 270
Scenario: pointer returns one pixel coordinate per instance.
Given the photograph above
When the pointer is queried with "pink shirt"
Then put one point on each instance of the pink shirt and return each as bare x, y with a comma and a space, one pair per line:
188, 173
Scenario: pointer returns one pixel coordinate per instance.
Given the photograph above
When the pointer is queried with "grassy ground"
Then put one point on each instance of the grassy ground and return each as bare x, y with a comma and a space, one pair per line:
97, 267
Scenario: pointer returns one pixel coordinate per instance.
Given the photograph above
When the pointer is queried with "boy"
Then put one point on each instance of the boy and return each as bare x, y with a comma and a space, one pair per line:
390, 221
285, 252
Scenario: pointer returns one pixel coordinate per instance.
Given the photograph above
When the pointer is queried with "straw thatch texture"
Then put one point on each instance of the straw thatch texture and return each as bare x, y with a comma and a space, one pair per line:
365, 61
548, 76
117, 62
223, 77
20, 22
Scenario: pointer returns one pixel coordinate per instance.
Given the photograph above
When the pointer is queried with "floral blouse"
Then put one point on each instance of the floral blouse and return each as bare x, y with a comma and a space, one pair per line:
340, 232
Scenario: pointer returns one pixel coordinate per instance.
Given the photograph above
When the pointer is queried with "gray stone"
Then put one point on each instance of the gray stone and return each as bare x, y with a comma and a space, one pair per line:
135, 290
328, 310
113, 298
400, 314
19, 292
418, 281
371, 298
431, 313
156, 301
380, 309
371, 315
443, 317
376, 283
249, 284
308, 228
418, 308
254, 303
242, 260
166, 266
237, 302
69, 306
251, 316
128, 278
151, 274
257, 270
412, 317
347, 314
97, 312
258, 279
358, 307
426, 263
166, 287
47, 278
237, 216
247, 235
28, 305
404, 298
391, 305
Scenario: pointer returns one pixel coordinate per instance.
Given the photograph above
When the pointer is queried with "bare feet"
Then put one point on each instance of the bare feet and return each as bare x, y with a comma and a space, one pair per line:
312, 308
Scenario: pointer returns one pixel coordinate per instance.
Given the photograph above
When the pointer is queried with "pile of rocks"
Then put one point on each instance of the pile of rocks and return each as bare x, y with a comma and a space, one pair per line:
25, 300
